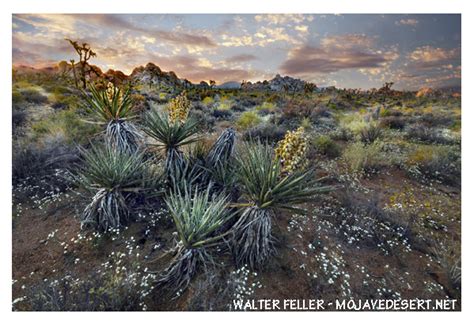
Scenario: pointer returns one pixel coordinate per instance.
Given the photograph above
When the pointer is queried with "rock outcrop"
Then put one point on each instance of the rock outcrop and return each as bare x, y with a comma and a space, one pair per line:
278, 83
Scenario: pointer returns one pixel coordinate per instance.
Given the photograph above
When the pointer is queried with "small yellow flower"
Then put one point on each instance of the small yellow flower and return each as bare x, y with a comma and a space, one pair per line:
292, 150
179, 108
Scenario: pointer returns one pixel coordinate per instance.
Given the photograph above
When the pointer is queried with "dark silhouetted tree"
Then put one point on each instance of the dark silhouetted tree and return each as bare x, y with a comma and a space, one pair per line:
85, 53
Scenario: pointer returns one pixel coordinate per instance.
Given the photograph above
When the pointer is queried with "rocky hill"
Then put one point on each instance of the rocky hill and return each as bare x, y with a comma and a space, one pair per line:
152, 74
278, 83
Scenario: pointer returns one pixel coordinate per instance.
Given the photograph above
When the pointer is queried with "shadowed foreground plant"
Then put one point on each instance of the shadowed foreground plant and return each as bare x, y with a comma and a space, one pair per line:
170, 135
267, 189
115, 176
114, 107
198, 216
222, 150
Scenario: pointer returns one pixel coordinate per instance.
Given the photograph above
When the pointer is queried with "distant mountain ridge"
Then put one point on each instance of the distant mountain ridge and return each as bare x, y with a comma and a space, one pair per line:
152, 74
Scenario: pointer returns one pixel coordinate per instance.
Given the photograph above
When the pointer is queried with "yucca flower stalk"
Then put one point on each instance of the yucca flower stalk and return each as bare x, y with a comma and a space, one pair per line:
170, 136
291, 151
113, 107
198, 217
179, 107
114, 176
266, 189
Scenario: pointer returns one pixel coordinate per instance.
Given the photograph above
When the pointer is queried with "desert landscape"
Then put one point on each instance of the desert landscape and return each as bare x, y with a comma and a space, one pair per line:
148, 191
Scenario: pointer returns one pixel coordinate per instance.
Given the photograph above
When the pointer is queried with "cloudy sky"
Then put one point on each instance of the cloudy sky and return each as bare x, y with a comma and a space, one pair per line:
354, 51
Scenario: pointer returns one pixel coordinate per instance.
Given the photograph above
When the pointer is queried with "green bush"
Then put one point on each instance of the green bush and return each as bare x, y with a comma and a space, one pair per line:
17, 97
437, 162
67, 123
33, 96
265, 132
266, 106
248, 120
370, 133
359, 157
326, 146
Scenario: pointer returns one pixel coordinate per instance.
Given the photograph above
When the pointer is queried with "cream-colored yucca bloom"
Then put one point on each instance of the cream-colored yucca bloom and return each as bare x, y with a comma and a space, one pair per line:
291, 151
179, 108
111, 90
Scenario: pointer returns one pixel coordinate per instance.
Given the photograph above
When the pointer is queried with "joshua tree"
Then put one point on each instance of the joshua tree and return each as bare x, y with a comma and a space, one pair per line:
74, 72
309, 87
85, 53
212, 83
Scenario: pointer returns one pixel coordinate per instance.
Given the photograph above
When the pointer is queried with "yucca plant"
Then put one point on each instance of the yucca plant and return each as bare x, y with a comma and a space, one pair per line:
113, 107
198, 217
222, 150
266, 188
171, 135
371, 133
114, 176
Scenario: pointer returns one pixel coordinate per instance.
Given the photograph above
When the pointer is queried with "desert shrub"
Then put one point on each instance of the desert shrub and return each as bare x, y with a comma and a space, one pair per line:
359, 156
207, 101
365, 221
237, 107
297, 110
455, 126
62, 97
205, 120
370, 133
326, 146
66, 123
95, 293
386, 112
17, 98
224, 105
433, 120
342, 134
35, 161
393, 122
248, 120
265, 132
437, 162
320, 111
306, 123
139, 103
19, 117
32, 95
265, 107
423, 134
248, 101
355, 123
274, 98
222, 114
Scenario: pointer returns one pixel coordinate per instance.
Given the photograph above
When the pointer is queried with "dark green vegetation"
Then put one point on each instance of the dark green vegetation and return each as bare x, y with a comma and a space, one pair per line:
188, 199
